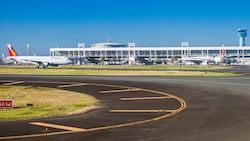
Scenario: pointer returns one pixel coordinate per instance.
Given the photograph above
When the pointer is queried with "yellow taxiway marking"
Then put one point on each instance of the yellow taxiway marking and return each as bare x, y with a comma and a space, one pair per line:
57, 126
169, 113
145, 98
36, 135
72, 85
108, 85
49, 82
13, 83
118, 91
6, 81
142, 111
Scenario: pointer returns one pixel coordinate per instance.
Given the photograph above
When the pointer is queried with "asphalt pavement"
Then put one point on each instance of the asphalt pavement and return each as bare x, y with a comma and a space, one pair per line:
142, 109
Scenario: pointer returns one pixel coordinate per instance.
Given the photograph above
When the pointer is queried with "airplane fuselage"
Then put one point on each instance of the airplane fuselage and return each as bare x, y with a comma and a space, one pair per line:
43, 61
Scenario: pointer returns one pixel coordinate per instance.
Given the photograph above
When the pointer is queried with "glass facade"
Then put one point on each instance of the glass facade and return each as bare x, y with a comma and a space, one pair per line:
149, 52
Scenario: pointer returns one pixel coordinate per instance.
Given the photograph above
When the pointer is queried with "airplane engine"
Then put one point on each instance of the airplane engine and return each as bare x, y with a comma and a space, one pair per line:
54, 65
45, 64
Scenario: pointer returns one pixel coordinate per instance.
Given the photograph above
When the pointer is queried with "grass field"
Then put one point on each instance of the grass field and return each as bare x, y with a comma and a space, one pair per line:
149, 67
46, 102
118, 70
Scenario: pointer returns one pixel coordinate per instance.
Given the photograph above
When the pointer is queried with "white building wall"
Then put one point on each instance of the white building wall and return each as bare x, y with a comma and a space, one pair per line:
151, 52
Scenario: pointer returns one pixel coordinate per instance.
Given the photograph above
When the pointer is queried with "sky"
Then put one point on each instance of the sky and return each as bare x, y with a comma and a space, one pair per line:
64, 23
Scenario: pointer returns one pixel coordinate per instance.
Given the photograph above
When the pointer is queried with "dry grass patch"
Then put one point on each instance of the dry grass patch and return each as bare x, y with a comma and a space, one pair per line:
46, 102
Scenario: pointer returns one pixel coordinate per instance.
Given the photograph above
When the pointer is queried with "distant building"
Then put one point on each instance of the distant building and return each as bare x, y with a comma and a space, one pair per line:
108, 44
122, 52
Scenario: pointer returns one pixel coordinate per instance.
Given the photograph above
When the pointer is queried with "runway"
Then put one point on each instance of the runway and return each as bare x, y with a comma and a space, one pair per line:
142, 108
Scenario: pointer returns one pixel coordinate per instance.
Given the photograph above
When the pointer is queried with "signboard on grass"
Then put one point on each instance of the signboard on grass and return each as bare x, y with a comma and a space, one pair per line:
6, 104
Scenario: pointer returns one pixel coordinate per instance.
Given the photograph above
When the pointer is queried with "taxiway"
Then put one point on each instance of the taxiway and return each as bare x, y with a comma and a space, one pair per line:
142, 109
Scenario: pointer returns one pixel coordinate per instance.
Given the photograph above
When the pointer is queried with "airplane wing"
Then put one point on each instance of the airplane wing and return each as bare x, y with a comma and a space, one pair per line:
39, 63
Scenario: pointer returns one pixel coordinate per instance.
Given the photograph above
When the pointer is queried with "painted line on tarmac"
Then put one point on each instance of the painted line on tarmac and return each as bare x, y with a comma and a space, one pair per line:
81, 130
142, 111
119, 91
36, 135
13, 83
75, 129
62, 127
108, 85
49, 82
6, 81
73, 85
145, 98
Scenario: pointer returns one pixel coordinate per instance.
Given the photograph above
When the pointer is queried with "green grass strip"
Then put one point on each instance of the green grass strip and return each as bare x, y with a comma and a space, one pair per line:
115, 71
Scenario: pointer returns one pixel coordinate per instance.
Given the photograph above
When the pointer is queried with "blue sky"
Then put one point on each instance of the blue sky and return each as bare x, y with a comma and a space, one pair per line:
51, 23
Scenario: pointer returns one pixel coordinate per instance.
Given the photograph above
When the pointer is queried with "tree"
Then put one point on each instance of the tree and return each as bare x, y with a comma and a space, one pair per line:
174, 59
113, 58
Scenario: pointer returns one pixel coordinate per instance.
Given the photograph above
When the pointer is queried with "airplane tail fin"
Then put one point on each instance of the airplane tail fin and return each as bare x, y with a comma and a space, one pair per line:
11, 50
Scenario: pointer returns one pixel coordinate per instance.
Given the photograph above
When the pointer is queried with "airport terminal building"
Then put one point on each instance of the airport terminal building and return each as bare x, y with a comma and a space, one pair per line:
122, 52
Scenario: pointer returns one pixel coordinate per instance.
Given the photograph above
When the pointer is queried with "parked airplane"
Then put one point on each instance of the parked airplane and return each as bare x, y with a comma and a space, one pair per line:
203, 60
39, 61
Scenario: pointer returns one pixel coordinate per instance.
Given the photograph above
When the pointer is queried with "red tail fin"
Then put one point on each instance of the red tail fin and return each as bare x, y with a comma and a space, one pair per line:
11, 50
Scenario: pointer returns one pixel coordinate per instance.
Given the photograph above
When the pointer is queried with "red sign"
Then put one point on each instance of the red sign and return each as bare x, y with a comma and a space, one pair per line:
6, 104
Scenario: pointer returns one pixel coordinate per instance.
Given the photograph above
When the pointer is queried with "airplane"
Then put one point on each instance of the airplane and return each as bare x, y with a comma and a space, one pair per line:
202, 60
39, 61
